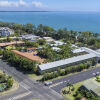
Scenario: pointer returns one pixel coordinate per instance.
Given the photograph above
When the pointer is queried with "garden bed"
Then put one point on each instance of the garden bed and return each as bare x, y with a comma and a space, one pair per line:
7, 84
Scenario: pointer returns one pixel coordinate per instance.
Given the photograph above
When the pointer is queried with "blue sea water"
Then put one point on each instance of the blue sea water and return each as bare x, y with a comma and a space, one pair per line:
80, 21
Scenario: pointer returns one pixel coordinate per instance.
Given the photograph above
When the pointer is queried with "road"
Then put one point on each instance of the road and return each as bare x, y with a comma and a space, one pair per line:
29, 88
61, 83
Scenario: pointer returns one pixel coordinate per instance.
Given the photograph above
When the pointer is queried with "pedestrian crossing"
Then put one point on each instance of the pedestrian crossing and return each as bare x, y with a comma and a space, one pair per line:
22, 84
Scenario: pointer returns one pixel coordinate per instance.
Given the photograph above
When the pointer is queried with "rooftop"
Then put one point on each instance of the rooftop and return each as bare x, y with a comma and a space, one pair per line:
78, 50
56, 48
29, 37
66, 61
31, 48
98, 50
48, 39
57, 43
93, 85
91, 51
4, 28
11, 43
73, 45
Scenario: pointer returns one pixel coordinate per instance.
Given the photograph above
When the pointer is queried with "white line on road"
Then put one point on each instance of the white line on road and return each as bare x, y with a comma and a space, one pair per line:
55, 84
22, 84
20, 96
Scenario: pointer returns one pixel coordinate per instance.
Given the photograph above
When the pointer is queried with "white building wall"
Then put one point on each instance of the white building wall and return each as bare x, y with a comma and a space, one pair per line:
5, 31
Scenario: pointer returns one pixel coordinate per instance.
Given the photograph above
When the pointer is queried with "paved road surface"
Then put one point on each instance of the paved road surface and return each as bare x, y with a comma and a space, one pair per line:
61, 83
29, 88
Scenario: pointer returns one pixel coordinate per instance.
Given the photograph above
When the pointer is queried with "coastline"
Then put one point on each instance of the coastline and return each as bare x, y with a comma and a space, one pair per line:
79, 21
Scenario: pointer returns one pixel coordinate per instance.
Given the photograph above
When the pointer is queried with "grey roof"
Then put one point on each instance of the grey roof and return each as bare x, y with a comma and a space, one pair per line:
29, 37
56, 48
91, 51
93, 85
57, 43
4, 28
66, 61
78, 50
98, 50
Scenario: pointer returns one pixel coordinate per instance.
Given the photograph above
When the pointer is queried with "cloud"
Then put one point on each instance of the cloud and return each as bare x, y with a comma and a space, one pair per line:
13, 3
23, 3
8, 3
37, 4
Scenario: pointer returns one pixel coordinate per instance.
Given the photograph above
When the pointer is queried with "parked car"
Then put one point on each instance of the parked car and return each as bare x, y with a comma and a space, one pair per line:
47, 83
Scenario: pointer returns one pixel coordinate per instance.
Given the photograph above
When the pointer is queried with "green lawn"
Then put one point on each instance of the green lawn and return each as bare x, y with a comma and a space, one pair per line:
10, 47
59, 77
70, 96
34, 76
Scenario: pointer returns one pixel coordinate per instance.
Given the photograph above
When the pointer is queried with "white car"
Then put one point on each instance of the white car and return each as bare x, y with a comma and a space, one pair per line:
47, 83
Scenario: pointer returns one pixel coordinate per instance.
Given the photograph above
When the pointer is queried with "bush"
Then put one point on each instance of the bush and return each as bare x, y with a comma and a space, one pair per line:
6, 82
20, 62
97, 78
67, 70
9, 83
1, 51
83, 93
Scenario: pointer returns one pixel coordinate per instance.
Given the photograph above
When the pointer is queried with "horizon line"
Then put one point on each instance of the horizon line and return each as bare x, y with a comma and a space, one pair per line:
49, 11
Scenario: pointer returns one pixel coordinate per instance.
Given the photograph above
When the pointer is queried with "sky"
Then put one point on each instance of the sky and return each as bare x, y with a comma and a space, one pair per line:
50, 5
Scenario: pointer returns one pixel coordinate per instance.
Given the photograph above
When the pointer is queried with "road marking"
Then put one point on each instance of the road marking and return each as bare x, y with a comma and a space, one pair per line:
98, 72
20, 96
24, 86
93, 73
55, 84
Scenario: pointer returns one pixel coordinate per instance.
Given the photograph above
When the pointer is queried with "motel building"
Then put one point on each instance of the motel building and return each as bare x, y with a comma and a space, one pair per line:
53, 66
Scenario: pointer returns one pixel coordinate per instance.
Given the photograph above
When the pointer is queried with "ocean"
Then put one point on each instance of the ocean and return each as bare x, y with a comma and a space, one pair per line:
79, 21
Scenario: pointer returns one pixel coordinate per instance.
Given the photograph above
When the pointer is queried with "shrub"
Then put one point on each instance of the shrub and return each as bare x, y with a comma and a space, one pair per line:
20, 62
67, 70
